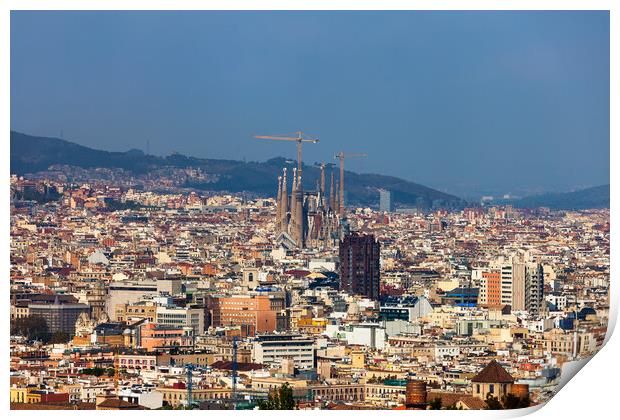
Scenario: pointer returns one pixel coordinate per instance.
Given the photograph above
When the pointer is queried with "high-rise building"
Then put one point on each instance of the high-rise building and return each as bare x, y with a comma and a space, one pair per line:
535, 285
490, 289
59, 316
360, 265
521, 284
385, 201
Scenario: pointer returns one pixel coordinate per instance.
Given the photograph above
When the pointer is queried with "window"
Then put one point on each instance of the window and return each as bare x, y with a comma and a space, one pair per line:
492, 388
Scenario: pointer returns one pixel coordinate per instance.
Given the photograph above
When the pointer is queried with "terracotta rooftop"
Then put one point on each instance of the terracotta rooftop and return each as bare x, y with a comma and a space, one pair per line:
334, 406
116, 403
493, 373
297, 273
52, 406
450, 398
241, 366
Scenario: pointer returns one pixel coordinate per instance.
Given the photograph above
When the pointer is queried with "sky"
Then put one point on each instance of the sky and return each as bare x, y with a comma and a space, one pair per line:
467, 102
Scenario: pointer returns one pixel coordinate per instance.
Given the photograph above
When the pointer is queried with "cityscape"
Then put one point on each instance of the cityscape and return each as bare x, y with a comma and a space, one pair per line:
148, 282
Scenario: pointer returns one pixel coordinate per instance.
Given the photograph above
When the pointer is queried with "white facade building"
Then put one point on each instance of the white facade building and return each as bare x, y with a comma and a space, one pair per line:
181, 317
370, 335
272, 349
146, 397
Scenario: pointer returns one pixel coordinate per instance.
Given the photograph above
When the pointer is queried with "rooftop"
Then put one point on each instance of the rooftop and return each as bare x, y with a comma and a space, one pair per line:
493, 373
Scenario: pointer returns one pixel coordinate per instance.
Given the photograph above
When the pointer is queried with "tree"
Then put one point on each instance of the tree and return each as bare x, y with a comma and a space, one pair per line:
279, 399
507, 402
435, 404
511, 401
32, 327
96, 371
492, 402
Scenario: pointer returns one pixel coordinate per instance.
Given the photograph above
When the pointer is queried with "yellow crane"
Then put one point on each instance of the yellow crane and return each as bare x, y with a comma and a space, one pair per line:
117, 374
341, 156
300, 138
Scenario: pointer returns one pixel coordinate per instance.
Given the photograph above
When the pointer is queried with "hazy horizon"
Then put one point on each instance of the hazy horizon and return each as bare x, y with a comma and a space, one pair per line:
458, 101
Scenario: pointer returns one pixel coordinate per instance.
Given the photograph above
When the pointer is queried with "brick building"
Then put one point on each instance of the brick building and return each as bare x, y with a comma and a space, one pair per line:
360, 265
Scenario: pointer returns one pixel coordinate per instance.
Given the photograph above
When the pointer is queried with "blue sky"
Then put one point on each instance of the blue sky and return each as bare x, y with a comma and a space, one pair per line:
462, 101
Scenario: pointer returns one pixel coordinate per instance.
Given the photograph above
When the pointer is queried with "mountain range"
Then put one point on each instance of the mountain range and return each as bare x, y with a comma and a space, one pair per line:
30, 154
589, 198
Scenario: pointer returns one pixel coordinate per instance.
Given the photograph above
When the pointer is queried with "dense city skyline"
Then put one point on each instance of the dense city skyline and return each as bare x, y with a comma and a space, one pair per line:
481, 85
345, 210
125, 296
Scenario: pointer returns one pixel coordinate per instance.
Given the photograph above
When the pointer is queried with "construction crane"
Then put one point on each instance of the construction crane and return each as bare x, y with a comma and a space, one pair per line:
117, 375
299, 139
234, 372
341, 156
189, 370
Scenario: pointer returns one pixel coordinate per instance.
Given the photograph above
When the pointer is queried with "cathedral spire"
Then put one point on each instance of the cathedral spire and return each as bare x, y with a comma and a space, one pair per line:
284, 205
332, 197
279, 206
293, 221
299, 186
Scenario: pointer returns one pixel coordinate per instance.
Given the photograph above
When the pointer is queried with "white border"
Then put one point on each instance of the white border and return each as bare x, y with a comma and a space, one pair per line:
591, 394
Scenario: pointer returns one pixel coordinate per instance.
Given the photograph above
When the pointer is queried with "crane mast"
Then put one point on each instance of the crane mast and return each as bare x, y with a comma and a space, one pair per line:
299, 138
190, 386
234, 372
341, 156
116, 371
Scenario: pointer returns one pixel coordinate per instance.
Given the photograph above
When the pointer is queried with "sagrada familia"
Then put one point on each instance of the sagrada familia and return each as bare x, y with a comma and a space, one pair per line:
307, 219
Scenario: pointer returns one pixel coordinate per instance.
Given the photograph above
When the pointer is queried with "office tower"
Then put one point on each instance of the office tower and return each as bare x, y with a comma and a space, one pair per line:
490, 289
59, 316
534, 292
522, 283
385, 201
359, 265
